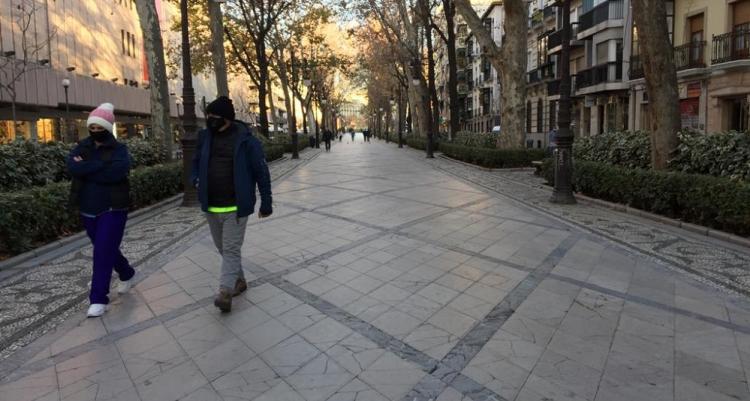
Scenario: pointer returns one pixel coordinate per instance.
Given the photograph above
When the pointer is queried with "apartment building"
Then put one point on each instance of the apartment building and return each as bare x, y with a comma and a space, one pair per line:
482, 103
541, 77
712, 54
97, 47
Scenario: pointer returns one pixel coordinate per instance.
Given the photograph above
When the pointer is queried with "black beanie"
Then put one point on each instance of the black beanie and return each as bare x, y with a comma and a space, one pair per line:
221, 107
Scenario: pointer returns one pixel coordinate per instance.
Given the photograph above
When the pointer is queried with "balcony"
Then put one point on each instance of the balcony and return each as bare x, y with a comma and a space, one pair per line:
690, 55
609, 10
549, 12
600, 74
731, 46
555, 38
543, 72
686, 57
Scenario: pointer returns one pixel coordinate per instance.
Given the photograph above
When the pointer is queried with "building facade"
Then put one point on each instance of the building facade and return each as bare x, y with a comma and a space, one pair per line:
711, 41
97, 47
482, 90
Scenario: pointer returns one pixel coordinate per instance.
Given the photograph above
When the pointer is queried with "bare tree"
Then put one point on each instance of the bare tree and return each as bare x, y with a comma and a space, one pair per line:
29, 56
509, 60
661, 78
256, 19
159, 86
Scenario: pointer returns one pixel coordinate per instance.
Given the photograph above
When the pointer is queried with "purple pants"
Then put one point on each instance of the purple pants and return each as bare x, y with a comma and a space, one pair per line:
105, 232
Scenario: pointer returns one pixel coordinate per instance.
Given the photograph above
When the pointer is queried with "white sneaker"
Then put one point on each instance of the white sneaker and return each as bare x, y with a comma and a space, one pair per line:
96, 310
124, 286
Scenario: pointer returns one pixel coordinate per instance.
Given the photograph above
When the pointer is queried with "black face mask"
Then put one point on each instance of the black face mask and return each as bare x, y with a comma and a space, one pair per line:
214, 123
100, 136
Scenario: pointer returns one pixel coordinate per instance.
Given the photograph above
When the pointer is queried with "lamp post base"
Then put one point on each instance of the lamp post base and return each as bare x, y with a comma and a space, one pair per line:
563, 198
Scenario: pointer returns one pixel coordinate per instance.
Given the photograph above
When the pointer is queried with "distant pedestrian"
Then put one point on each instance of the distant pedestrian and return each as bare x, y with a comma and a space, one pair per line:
327, 138
227, 167
99, 166
352, 136
341, 137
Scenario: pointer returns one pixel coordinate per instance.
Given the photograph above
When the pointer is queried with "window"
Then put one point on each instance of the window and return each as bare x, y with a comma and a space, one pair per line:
130, 42
528, 116
741, 28
539, 116
602, 53
122, 37
695, 24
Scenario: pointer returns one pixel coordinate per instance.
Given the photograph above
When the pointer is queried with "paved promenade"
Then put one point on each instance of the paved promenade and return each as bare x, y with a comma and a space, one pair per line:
383, 276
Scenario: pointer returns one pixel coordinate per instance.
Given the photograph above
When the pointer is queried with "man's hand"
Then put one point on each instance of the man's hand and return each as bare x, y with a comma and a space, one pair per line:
265, 211
77, 159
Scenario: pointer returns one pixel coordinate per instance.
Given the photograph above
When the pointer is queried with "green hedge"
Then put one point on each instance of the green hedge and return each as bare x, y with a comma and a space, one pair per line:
420, 143
717, 202
39, 215
492, 158
273, 151
481, 140
723, 154
25, 164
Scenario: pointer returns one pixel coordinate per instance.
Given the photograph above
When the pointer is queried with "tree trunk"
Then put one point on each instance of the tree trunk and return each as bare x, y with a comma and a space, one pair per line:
288, 102
154, 47
661, 79
455, 107
509, 60
217, 47
260, 49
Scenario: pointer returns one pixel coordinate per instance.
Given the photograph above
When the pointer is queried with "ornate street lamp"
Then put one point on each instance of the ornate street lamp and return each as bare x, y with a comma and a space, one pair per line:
189, 124
68, 134
563, 192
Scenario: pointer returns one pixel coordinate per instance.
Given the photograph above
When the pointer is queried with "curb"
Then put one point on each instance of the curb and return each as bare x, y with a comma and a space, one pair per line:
441, 155
47, 248
693, 228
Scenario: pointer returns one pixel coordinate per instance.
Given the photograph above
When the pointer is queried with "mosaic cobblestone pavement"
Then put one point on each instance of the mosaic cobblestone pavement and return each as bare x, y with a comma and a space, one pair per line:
707, 260
385, 279
32, 301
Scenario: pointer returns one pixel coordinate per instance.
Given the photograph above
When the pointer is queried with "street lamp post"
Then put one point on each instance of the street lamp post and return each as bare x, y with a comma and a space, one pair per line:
66, 85
563, 192
189, 124
323, 103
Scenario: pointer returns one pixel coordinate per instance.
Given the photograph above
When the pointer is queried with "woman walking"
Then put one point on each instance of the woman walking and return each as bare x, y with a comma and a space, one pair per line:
99, 167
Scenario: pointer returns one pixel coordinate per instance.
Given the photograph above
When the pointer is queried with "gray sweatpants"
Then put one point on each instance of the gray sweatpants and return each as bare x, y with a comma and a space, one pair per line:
228, 233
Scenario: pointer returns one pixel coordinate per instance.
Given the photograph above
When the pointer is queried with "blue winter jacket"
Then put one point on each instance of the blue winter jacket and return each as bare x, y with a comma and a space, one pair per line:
250, 170
101, 179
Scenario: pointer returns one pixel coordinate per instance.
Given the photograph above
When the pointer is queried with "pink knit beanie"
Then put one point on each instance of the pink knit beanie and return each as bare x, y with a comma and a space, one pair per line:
104, 115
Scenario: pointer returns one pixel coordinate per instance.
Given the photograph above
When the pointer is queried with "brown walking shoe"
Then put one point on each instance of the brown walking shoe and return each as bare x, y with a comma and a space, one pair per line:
223, 301
239, 287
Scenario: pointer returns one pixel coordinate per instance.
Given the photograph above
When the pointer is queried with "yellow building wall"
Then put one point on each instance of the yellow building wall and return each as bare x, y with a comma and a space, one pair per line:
715, 14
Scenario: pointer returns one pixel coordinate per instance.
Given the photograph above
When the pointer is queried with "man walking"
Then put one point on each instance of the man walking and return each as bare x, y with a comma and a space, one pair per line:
228, 165
327, 138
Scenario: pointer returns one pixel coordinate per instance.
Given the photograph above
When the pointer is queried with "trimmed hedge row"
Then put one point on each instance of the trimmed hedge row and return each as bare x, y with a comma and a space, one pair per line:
24, 164
492, 158
420, 143
39, 215
273, 151
717, 202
